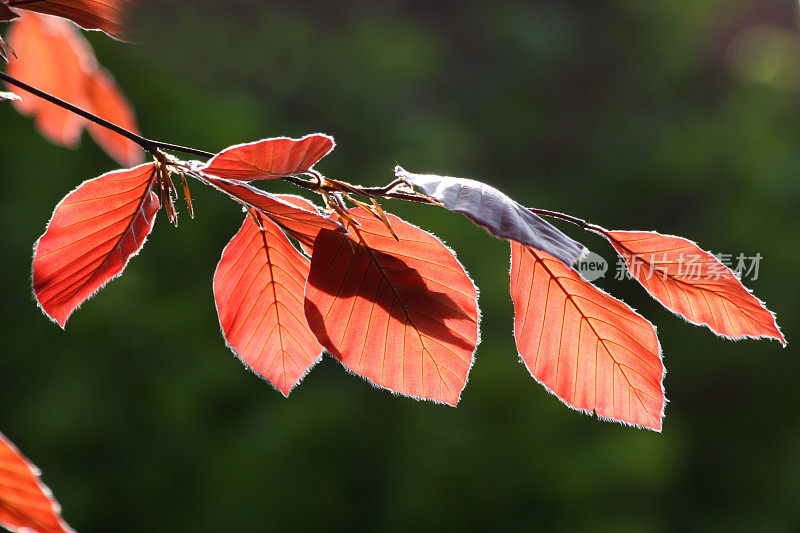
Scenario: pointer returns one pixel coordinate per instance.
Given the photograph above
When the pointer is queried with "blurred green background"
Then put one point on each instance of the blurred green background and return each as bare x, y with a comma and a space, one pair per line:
678, 116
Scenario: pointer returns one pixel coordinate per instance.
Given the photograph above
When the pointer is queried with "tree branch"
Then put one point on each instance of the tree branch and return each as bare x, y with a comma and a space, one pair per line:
148, 145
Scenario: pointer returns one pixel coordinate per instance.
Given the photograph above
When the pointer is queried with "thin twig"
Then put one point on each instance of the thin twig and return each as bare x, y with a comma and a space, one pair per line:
370, 192
568, 218
148, 145
152, 147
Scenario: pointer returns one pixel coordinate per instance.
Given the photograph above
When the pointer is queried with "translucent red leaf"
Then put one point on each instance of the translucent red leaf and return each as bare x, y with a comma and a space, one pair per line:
694, 284
270, 158
93, 233
54, 57
258, 290
105, 15
493, 210
26, 504
109, 103
299, 201
300, 222
401, 313
591, 350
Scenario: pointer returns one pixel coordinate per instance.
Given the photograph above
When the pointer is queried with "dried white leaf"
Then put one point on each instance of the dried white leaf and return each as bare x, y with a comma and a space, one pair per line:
493, 210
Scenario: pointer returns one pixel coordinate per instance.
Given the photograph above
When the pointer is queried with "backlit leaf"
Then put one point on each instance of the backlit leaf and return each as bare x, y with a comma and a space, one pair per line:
591, 350
302, 203
270, 158
105, 15
694, 284
26, 504
300, 222
109, 103
298, 201
258, 290
93, 233
54, 57
401, 313
497, 213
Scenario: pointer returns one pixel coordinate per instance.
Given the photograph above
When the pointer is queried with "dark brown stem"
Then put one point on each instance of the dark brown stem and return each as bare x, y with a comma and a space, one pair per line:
568, 218
147, 144
152, 147
370, 192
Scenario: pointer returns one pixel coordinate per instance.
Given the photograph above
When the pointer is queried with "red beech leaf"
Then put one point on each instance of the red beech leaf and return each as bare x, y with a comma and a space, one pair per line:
258, 290
694, 284
300, 222
26, 504
306, 246
591, 350
93, 233
54, 56
495, 212
269, 158
105, 15
402, 314
298, 201
109, 103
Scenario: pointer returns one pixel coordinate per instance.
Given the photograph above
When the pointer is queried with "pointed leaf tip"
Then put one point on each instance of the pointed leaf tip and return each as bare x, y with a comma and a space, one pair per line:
258, 291
496, 212
588, 348
269, 158
401, 313
93, 233
694, 284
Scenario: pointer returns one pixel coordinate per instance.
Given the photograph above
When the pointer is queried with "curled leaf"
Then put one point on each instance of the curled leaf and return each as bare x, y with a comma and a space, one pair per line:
269, 158
588, 348
493, 210
26, 504
694, 284
258, 290
93, 233
402, 314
